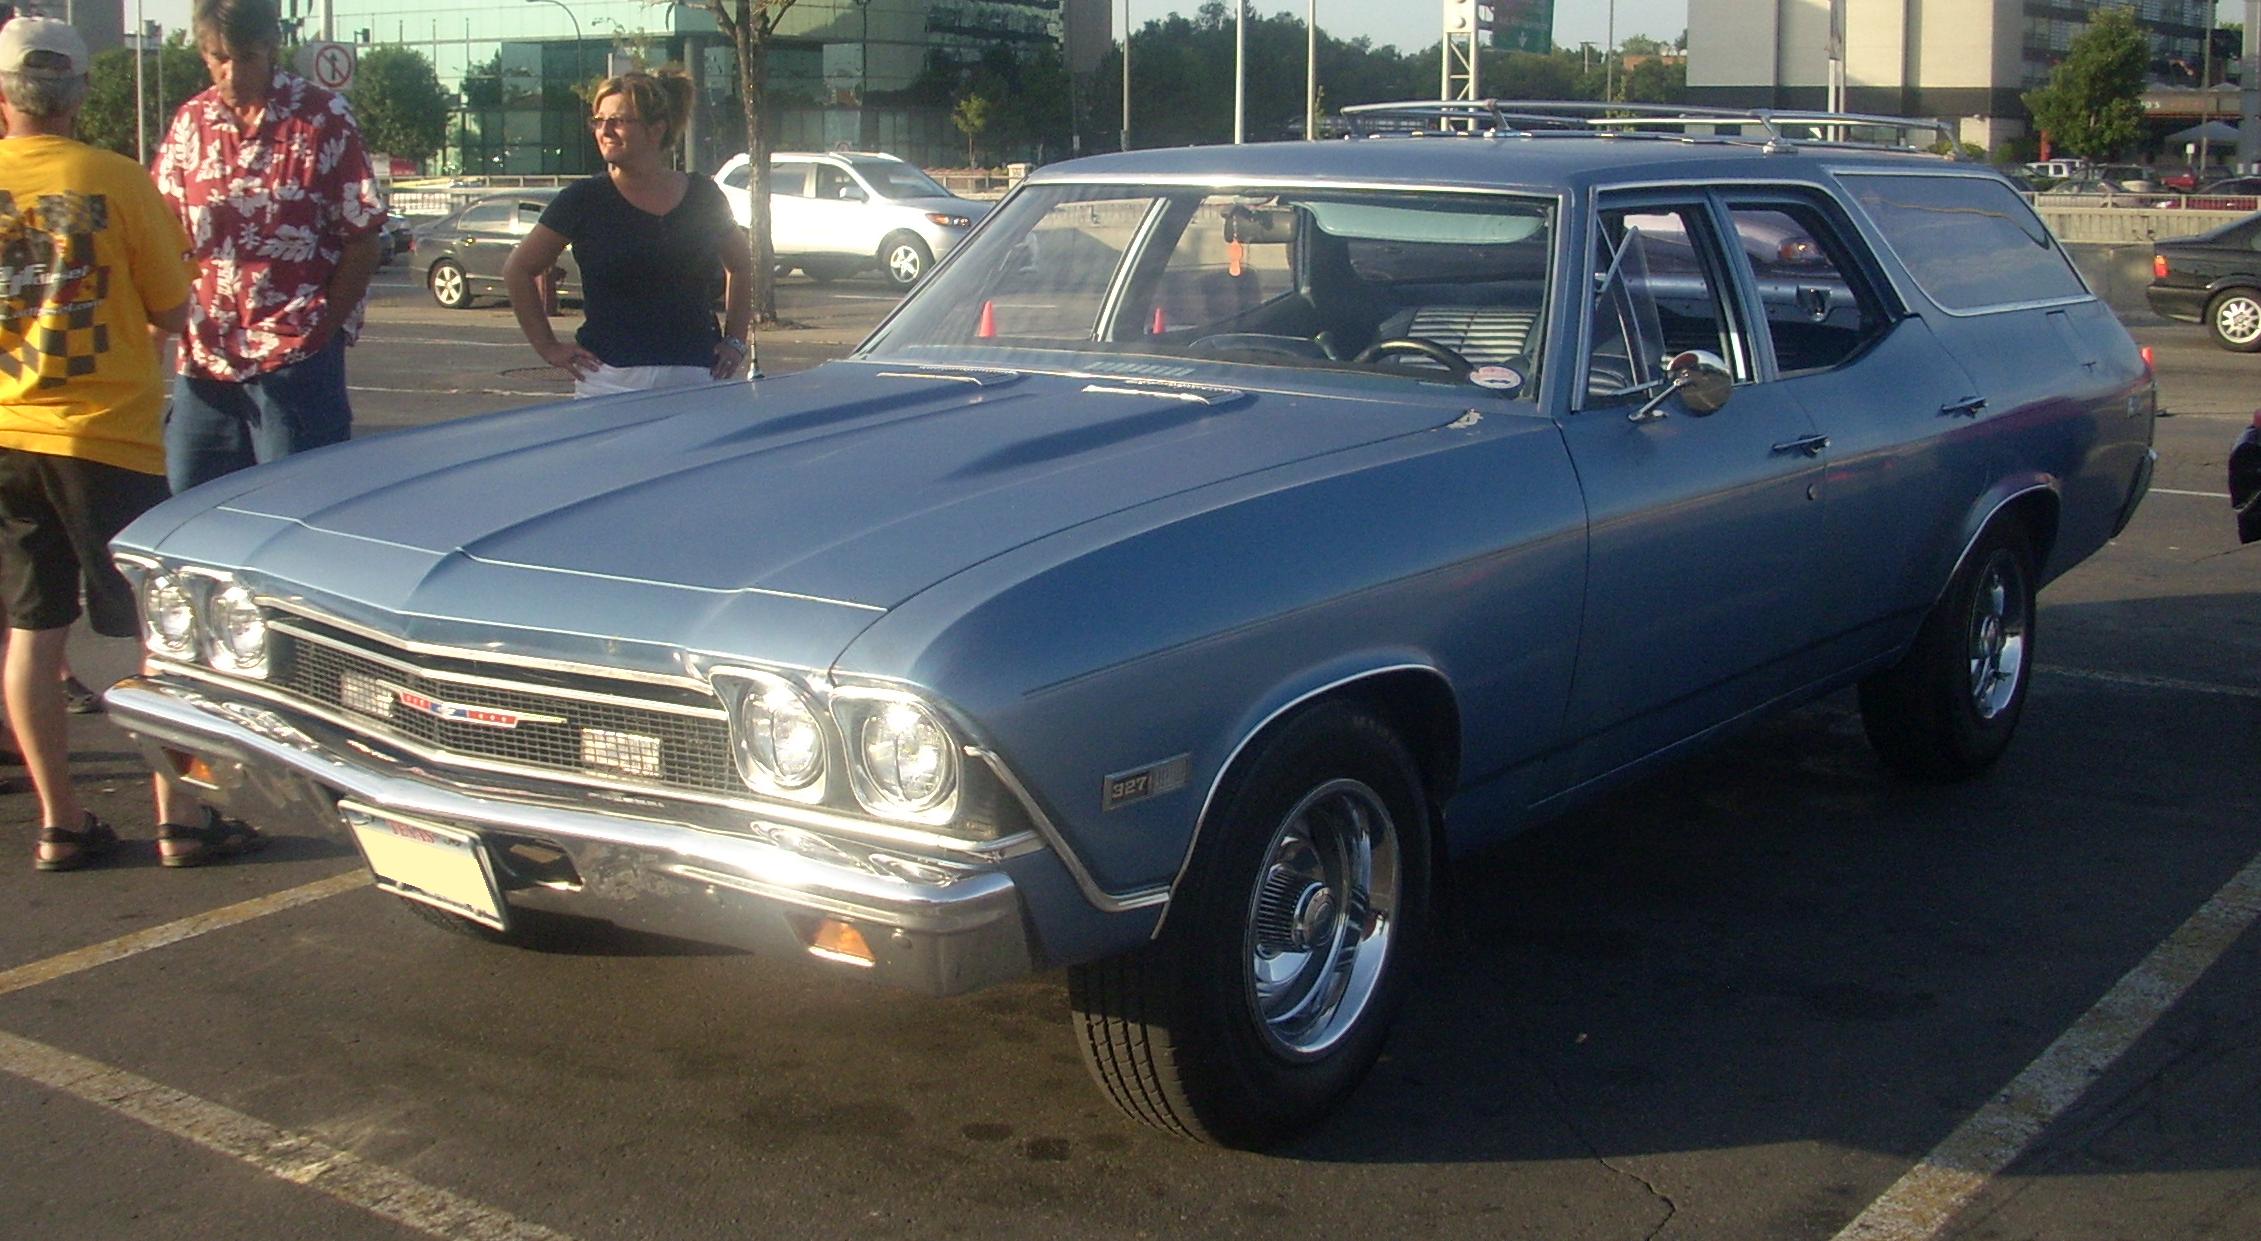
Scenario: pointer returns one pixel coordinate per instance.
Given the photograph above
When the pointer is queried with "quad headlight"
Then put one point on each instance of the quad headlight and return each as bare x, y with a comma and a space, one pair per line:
904, 756
804, 740
201, 616
235, 631
168, 616
779, 739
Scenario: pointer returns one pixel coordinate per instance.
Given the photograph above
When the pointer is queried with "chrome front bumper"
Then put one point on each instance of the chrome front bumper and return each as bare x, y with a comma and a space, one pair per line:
766, 888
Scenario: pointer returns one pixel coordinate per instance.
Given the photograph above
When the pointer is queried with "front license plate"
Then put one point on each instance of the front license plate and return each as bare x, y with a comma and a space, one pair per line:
444, 867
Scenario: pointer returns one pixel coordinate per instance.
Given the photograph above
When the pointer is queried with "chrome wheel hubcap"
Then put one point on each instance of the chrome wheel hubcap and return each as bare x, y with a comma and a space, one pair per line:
1321, 919
904, 262
1999, 630
448, 284
2239, 320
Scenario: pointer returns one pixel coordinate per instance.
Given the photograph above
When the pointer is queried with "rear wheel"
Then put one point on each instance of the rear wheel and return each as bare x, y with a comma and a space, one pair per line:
1287, 947
2234, 317
903, 258
1948, 709
450, 287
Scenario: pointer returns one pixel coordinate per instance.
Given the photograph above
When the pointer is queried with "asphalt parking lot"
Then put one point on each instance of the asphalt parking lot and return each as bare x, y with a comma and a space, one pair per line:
1772, 994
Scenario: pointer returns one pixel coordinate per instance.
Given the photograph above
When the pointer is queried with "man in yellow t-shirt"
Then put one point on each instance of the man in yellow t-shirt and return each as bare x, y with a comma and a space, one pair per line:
91, 261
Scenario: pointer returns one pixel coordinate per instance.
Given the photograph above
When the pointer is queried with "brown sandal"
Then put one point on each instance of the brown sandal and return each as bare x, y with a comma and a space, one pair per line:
218, 837
89, 844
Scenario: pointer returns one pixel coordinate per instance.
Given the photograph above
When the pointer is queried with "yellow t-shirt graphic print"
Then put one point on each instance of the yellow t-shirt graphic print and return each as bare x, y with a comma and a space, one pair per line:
87, 250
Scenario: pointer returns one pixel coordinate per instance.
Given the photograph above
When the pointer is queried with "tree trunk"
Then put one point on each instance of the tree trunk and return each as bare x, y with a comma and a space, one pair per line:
753, 83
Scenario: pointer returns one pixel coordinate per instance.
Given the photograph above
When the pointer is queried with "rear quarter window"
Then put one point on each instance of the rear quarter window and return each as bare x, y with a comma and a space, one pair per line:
1970, 242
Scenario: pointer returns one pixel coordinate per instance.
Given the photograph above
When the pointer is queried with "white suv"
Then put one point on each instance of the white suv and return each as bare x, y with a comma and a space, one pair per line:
837, 212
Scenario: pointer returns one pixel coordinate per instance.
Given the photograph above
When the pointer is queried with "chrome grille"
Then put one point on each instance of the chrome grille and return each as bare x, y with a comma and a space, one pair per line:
523, 725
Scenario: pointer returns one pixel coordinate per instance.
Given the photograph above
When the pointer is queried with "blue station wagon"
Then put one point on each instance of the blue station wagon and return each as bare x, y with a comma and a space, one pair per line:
1211, 549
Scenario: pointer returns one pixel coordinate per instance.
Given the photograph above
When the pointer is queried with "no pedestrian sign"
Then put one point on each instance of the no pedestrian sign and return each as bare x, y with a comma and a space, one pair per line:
327, 65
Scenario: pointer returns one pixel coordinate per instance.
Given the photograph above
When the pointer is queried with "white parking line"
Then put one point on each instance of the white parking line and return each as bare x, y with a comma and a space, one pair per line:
2172, 684
2203, 495
298, 1158
1924, 1201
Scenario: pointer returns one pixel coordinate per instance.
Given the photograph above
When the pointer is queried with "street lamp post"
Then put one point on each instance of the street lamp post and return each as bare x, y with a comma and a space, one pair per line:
1311, 73
140, 103
1240, 73
1126, 74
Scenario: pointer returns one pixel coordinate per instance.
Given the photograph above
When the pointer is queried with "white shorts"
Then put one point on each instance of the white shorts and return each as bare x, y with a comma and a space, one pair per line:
612, 380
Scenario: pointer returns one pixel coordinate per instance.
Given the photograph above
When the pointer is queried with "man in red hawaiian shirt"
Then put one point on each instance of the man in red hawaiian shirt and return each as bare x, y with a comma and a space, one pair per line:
282, 208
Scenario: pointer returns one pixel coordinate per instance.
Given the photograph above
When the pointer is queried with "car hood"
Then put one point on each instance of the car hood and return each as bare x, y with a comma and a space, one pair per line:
846, 489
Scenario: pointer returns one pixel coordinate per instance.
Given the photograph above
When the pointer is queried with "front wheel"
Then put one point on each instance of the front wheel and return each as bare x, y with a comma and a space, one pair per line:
2234, 317
1286, 949
903, 258
1948, 709
450, 287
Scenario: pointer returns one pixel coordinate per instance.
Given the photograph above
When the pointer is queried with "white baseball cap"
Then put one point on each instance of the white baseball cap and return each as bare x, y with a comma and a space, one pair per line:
25, 35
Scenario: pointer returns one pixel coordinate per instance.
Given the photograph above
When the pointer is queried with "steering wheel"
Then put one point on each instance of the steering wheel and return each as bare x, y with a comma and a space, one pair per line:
1460, 367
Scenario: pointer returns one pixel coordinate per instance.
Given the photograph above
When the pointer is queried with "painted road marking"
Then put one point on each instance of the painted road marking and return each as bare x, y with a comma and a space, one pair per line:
298, 1158
2143, 682
2203, 495
124, 946
1924, 1201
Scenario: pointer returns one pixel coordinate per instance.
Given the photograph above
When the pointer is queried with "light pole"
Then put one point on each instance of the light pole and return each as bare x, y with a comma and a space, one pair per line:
140, 102
1126, 74
1311, 74
1240, 73
1609, 54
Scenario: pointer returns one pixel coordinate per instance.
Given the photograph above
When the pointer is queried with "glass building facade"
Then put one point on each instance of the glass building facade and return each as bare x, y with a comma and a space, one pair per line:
841, 73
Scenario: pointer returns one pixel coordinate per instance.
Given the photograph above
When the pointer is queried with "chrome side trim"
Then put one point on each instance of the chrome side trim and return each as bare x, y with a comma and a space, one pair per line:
1208, 800
1100, 898
603, 672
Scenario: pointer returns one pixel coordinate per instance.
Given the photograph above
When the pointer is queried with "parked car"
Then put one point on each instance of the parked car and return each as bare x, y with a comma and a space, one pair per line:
2227, 194
2113, 193
2212, 278
462, 252
1181, 576
834, 214
396, 239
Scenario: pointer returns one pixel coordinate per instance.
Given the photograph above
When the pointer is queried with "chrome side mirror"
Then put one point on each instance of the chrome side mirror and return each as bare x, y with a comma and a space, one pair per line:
1700, 377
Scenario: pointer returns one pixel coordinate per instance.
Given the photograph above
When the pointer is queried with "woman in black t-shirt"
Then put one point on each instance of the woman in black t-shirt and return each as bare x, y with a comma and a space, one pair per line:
649, 240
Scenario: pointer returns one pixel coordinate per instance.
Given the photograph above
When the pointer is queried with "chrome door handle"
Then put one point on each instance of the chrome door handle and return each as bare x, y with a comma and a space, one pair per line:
1811, 445
1968, 407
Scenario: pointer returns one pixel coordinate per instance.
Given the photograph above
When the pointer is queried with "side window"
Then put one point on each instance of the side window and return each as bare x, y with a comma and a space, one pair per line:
492, 216
529, 214
1819, 312
1970, 242
789, 179
835, 184
1656, 294
737, 177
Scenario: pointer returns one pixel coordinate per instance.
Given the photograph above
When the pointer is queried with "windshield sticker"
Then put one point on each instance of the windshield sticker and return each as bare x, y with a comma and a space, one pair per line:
1497, 378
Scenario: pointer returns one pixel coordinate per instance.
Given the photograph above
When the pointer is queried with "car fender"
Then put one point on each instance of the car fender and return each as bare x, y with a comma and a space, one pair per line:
1160, 640
2032, 499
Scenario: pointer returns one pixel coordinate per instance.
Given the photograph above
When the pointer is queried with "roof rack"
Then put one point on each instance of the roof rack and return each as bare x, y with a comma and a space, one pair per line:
1777, 129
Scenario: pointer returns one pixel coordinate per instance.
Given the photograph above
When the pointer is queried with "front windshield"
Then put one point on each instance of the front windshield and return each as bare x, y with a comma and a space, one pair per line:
1429, 286
892, 178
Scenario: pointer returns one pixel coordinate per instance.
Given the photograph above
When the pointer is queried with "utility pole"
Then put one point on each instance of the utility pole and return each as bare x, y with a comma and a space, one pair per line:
2249, 92
1126, 74
1240, 73
1609, 56
1311, 74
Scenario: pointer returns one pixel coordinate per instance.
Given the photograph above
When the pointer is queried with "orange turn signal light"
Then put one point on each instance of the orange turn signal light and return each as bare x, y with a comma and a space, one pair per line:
838, 941
192, 769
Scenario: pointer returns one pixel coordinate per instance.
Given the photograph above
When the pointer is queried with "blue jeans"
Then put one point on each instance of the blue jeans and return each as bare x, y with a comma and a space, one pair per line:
217, 426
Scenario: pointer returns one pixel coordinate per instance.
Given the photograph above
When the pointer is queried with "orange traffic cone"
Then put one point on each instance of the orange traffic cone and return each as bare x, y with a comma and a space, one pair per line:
988, 328
1160, 325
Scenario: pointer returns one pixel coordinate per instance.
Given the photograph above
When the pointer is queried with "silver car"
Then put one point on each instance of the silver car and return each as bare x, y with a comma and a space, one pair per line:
837, 213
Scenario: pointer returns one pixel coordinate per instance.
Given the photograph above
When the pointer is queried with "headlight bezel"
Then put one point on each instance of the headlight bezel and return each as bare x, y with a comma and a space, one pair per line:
153, 638
194, 593
223, 601
744, 689
856, 709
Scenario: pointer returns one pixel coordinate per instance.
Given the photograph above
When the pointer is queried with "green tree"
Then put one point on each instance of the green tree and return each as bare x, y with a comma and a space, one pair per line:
1655, 81
971, 116
107, 119
398, 101
2093, 102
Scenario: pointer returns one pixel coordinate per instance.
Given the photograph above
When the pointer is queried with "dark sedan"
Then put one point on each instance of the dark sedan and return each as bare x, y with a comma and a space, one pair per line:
462, 252
2213, 278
